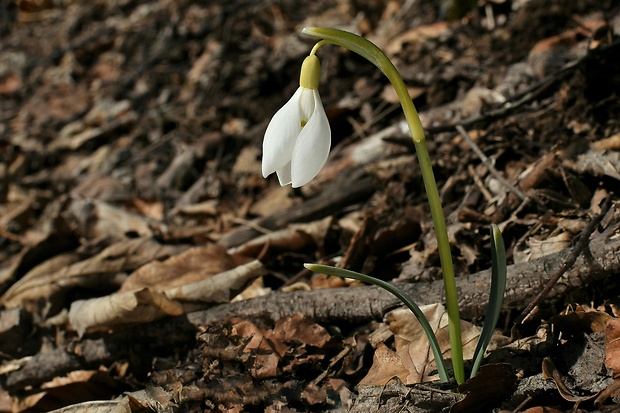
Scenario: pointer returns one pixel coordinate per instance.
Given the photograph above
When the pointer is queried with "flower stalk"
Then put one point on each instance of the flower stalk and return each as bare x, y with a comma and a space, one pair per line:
372, 53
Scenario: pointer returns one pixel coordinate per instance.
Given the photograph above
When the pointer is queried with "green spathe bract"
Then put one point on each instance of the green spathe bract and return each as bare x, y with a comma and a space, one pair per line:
373, 54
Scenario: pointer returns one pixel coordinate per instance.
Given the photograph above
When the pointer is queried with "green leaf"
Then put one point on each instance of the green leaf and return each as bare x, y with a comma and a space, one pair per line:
496, 296
400, 294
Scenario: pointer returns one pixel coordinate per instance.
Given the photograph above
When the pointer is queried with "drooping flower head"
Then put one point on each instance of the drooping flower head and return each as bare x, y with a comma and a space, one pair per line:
298, 137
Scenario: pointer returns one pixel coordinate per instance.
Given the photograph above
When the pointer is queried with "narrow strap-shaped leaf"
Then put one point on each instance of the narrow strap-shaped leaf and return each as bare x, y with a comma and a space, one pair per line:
496, 296
400, 294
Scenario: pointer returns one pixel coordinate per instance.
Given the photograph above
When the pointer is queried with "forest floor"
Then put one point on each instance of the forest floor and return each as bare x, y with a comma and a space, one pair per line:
147, 266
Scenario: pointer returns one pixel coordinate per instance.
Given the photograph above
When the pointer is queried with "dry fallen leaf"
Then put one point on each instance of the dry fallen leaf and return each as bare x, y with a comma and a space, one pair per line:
120, 406
104, 117
612, 346
104, 269
295, 237
291, 336
550, 372
220, 288
145, 305
418, 34
194, 264
101, 219
581, 319
412, 346
540, 248
493, 384
76, 387
123, 308
597, 163
276, 199
264, 354
386, 365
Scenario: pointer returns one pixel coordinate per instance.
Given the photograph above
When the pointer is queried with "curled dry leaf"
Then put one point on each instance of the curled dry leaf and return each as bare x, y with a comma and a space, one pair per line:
295, 237
75, 387
580, 320
418, 34
101, 219
19, 206
104, 269
550, 372
100, 187
145, 305
152, 397
194, 264
105, 117
123, 308
53, 265
220, 288
493, 384
539, 248
597, 162
115, 406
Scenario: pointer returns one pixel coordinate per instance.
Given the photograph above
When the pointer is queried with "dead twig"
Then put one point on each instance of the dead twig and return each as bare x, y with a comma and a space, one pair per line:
487, 162
581, 245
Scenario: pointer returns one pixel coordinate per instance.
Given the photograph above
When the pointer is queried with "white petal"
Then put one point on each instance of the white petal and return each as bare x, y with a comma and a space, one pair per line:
281, 135
312, 147
284, 174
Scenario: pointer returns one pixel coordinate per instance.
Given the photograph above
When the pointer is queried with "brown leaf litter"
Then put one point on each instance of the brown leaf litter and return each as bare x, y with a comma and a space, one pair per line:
145, 265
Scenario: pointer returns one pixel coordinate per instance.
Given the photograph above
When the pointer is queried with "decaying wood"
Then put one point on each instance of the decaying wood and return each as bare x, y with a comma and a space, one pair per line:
137, 344
357, 305
419, 398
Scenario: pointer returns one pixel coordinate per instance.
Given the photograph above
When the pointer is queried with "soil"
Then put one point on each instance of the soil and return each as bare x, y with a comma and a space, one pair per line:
146, 264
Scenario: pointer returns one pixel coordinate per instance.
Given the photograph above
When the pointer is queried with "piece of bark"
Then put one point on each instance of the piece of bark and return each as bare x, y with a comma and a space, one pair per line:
361, 304
137, 344
420, 398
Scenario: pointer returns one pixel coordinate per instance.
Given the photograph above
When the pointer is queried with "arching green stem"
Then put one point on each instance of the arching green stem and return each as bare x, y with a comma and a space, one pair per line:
373, 54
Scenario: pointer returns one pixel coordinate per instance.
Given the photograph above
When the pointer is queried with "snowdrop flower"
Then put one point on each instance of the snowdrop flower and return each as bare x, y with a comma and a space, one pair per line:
298, 138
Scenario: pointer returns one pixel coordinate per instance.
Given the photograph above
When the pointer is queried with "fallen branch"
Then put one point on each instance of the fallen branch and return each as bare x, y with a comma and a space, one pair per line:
361, 304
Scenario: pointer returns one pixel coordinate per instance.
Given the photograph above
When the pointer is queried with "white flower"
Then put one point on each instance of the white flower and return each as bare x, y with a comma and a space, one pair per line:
298, 138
